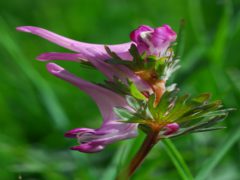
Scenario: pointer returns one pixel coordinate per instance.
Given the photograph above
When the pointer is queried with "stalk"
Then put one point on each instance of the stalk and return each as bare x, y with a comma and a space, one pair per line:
148, 143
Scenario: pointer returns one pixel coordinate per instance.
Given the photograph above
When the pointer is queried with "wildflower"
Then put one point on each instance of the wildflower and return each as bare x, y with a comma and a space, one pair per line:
135, 94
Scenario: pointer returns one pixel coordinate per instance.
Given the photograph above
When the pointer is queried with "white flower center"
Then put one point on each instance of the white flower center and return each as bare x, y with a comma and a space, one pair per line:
146, 35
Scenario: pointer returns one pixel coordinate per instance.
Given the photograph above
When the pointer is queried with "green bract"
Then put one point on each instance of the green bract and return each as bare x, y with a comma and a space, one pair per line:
196, 114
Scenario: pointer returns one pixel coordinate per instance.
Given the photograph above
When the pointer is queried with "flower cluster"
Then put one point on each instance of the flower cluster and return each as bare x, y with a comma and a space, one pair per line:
135, 94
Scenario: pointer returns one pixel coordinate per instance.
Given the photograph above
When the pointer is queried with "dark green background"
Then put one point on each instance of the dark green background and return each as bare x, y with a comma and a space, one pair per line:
37, 108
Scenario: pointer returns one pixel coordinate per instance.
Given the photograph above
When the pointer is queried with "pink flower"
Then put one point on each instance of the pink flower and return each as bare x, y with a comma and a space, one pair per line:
146, 39
154, 41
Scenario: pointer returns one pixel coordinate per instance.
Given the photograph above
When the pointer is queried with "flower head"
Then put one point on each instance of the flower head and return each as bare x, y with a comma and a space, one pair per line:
135, 92
154, 41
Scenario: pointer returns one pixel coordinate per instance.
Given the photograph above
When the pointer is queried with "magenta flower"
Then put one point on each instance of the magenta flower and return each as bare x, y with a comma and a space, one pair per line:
145, 38
154, 41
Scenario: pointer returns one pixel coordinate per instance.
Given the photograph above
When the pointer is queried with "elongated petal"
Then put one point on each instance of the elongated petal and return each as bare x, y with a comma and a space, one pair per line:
81, 47
104, 98
60, 56
93, 140
89, 52
109, 70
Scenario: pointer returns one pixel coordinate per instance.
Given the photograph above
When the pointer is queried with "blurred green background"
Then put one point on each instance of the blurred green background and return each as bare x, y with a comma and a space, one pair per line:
37, 108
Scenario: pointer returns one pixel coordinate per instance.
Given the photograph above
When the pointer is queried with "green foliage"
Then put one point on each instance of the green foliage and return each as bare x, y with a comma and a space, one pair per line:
135, 92
197, 114
123, 114
133, 102
124, 88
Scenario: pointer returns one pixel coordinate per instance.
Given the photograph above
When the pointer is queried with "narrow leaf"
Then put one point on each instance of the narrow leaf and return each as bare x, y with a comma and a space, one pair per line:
135, 92
177, 160
133, 102
123, 113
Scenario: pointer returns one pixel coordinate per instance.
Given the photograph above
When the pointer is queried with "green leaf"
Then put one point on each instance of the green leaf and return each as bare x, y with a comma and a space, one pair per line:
122, 113
201, 99
137, 59
112, 54
117, 86
135, 120
135, 92
203, 124
177, 160
179, 108
199, 111
150, 104
133, 102
209, 129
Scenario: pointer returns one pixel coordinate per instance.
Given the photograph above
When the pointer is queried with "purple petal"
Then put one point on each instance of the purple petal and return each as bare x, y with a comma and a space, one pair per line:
135, 35
161, 39
163, 34
73, 133
81, 47
104, 98
111, 130
109, 70
153, 41
89, 52
91, 140
88, 148
60, 56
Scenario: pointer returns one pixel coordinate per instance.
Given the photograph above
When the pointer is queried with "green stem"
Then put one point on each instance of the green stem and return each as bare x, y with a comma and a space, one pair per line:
150, 140
178, 160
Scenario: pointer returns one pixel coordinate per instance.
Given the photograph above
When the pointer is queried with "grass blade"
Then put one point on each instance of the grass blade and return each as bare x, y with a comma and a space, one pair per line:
177, 160
48, 97
212, 162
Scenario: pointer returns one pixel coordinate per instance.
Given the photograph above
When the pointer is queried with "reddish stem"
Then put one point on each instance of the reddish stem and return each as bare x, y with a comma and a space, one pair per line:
150, 140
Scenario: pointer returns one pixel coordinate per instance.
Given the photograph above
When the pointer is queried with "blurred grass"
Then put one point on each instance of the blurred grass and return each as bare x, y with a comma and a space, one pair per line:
36, 108
177, 160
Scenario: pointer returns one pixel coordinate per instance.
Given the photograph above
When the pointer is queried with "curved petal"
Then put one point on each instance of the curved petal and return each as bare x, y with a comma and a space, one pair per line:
104, 98
94, 140
154, 41
81, 47
89, 52
109, 70
88, 148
